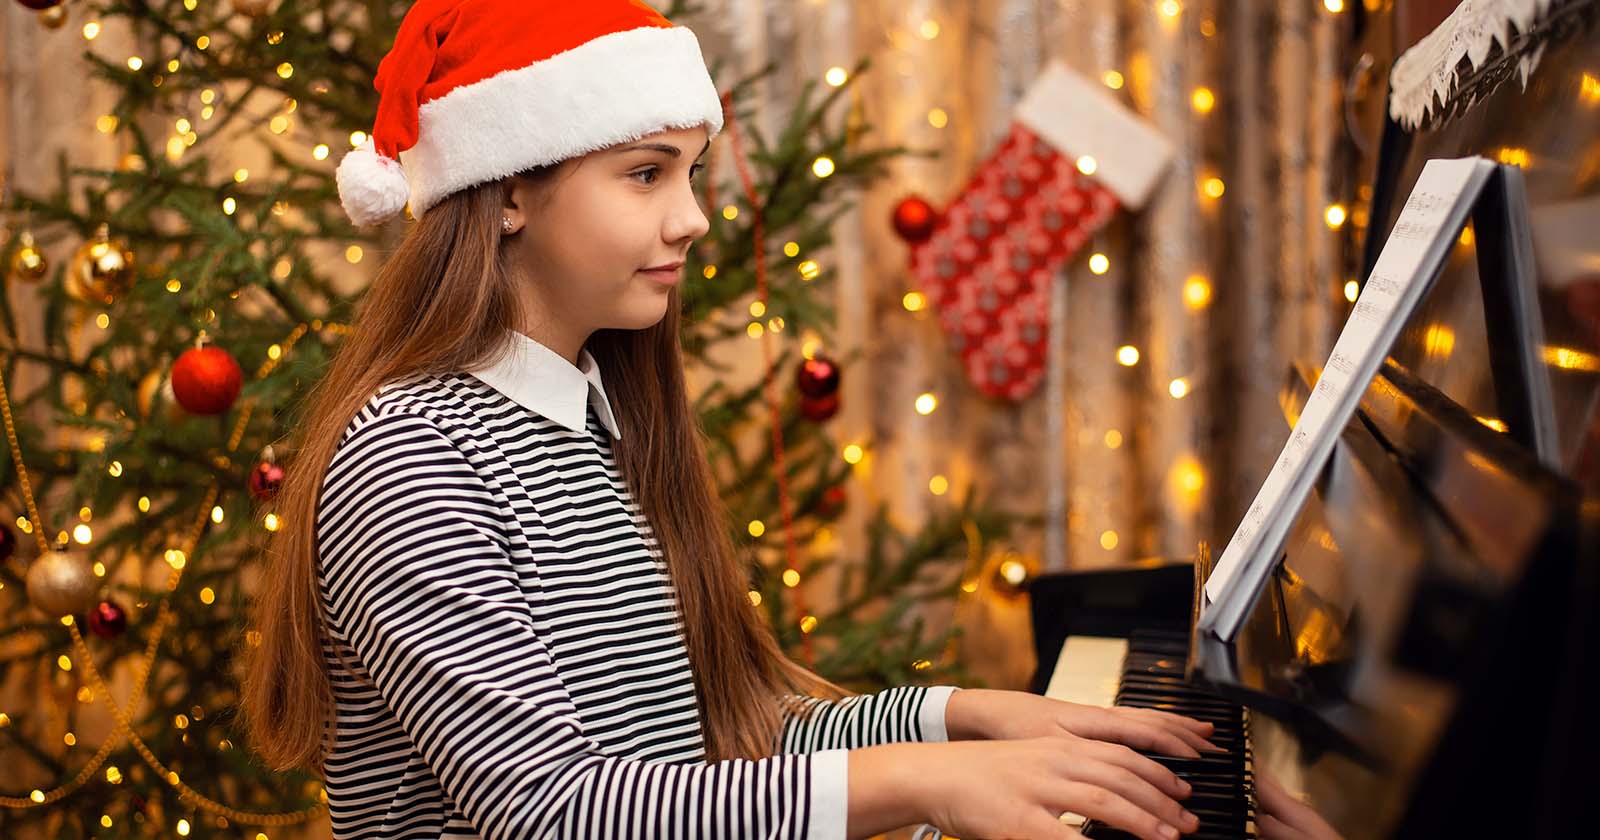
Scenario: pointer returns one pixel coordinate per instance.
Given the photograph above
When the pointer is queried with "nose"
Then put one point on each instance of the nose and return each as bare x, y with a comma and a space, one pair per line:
684, 221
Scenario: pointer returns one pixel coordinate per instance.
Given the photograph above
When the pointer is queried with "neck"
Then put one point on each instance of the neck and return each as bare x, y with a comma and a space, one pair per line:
540, 323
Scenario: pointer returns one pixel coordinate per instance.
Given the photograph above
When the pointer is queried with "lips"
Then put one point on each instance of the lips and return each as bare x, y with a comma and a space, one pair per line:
666, 275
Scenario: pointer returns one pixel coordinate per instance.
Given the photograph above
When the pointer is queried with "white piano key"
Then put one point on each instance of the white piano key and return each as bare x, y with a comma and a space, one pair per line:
1088, 671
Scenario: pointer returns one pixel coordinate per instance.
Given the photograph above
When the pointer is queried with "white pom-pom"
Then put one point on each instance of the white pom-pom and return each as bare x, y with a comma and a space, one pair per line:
372, 188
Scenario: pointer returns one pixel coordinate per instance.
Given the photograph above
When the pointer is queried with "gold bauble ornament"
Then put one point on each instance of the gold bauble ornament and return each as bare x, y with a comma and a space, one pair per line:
102, 269
149, 385
1013, 574
54, 17
131, 162
28, 263
75, 289
155, 391
61, 584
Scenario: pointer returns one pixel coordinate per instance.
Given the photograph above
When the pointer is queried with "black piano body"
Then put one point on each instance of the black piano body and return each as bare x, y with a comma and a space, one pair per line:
1423, 661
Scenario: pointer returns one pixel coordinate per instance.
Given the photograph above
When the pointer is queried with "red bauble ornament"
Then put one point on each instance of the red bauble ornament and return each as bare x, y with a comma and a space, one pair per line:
8, 542
832, 502
913, 219
40, 4
206, 380
265, 479
107, 620
821, 408
817, 377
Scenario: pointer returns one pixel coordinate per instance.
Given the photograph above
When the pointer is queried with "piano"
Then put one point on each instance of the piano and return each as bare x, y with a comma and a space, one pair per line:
1422, 662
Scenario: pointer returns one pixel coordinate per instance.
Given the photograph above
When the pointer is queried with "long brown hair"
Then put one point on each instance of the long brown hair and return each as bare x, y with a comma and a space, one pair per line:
442, 303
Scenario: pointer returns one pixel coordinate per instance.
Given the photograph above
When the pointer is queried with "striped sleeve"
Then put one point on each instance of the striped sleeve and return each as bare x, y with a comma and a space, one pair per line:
418, 580
902, 713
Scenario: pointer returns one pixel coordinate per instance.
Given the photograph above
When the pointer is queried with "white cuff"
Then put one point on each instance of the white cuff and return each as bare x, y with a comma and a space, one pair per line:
931, 717
830, 794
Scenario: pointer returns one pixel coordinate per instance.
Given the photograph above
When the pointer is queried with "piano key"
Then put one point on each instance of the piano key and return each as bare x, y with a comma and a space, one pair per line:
1088, 670
1151, 674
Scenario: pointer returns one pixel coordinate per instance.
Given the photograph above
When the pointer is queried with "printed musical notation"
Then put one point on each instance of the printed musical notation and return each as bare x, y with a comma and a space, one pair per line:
1379, 284
1411, 257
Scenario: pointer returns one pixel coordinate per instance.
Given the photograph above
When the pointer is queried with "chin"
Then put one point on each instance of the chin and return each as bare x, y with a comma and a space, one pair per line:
643, 316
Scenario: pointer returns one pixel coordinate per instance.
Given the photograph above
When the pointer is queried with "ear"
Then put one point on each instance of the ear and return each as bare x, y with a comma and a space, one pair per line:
513, 205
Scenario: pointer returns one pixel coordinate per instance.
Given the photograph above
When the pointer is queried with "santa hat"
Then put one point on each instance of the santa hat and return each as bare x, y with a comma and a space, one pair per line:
476, 90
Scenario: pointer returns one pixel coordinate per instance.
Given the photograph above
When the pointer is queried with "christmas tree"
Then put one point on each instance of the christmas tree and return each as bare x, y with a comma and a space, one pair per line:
165, 316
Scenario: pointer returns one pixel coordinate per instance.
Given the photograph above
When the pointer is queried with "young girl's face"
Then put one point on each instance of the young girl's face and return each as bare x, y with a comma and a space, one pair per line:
583, 241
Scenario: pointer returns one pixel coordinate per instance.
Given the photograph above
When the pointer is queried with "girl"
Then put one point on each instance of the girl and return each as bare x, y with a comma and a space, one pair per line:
504, 603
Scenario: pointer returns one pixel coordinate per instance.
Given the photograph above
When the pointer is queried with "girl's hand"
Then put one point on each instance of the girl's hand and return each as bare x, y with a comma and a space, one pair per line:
1020, 789
975, 713
1284, 817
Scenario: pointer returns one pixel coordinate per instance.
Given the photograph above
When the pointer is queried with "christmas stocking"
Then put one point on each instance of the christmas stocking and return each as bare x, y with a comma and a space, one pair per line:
988, 263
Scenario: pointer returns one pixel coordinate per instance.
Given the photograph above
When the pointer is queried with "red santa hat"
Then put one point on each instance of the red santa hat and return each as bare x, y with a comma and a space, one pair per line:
476, 90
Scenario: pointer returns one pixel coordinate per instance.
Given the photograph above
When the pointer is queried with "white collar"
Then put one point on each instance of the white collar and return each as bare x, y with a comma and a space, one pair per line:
542, 380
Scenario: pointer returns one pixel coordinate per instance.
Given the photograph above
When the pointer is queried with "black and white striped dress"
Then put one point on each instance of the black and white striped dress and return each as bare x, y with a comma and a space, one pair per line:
506, 658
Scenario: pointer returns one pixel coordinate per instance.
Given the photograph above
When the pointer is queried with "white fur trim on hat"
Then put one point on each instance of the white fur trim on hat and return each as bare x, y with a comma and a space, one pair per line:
609, 90
372, 188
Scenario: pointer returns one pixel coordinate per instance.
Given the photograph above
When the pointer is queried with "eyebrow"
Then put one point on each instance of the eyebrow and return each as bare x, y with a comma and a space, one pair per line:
661, 147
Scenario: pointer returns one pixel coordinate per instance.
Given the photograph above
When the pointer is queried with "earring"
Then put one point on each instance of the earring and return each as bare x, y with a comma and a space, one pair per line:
506, 224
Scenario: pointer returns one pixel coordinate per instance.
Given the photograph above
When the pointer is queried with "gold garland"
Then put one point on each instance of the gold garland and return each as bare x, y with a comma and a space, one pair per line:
164, 617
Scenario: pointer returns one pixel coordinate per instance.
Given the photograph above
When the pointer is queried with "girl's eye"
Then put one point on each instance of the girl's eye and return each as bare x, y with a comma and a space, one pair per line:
648, 174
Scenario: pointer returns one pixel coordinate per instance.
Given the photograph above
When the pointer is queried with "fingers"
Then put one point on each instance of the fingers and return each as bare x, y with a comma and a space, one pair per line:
1294, 818
1135, 789
1108, 807
1198, 727
1274, 799
1143, 735
1168, 741
1147, 769
1272, 828
1136, 732
1193, 732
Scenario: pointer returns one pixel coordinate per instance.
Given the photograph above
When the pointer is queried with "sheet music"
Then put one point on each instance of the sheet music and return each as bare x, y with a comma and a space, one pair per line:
1422, 237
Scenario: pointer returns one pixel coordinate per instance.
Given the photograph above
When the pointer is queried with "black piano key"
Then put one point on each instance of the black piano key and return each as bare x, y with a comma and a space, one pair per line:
1153, 677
